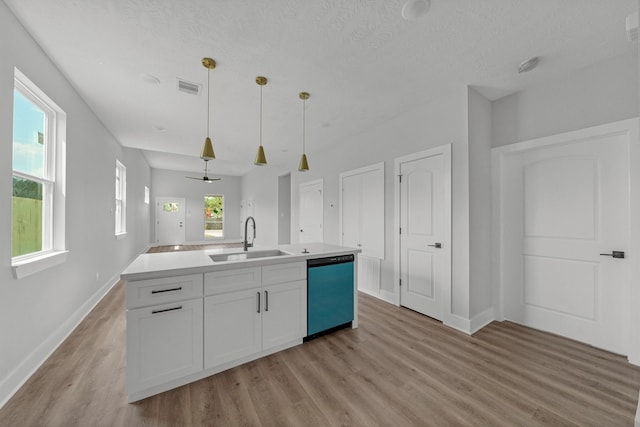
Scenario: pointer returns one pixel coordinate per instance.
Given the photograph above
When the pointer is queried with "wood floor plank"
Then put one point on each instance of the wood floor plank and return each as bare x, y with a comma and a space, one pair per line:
398, 368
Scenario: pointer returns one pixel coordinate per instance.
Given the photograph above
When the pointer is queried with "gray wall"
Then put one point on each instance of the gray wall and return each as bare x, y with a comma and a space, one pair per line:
38, 311
600, 93
174, 184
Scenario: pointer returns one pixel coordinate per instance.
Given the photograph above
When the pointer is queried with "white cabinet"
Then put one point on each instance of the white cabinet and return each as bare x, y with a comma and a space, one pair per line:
285, 313
233, 326
249, 312
164, 341
362, 210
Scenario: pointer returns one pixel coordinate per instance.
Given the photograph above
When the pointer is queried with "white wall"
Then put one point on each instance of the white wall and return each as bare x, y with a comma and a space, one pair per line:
601, 93
479, 128
38, 311
174, 184
441, 121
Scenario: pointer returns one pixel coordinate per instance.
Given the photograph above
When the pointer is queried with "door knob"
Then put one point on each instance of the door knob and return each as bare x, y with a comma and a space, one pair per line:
615, 254
437, 245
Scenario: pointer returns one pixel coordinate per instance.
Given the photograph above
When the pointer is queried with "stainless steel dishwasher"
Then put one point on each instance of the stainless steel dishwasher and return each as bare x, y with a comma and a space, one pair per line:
330, 293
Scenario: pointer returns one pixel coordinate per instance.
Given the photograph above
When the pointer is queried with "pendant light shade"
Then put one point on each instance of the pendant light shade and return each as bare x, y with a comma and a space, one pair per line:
207, 148
304, 164
261, 159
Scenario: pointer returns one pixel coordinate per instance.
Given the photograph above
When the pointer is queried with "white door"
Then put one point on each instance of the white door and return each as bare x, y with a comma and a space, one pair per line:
311, 213
568, 204
423, 240
170, 220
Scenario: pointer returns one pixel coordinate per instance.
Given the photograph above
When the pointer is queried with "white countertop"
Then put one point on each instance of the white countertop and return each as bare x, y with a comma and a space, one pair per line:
166, 264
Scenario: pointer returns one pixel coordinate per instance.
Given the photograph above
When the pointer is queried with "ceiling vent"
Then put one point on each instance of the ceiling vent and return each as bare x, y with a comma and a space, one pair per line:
632, 27
189, 87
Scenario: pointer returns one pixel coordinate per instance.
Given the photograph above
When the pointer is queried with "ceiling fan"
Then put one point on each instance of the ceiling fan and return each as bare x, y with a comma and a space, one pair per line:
205, 178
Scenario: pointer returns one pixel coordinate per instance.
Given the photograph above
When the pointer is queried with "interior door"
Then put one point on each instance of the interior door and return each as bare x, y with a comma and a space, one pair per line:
570, 205
422, 261
170, 220
311, 212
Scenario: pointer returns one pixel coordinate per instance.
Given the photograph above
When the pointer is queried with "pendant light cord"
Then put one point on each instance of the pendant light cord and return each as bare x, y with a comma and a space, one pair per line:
304, 121
208, 99
261, 115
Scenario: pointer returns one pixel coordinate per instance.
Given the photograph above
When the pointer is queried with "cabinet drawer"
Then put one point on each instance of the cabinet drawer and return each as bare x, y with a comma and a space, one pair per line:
220, 282
281, 273
142, 293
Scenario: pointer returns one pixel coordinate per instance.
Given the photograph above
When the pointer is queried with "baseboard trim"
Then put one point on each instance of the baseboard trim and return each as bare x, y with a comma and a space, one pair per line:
458, 322
385, 296
481, 320
21, 373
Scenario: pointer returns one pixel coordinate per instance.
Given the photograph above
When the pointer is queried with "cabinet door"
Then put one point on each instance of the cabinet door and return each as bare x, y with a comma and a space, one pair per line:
284, 318
164, 342
232, 326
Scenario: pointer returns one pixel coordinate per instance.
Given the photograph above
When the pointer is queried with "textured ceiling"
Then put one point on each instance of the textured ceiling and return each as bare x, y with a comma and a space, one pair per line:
361, 62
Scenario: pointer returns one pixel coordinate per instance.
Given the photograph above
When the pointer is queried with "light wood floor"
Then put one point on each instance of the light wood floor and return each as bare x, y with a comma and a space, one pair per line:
398, 369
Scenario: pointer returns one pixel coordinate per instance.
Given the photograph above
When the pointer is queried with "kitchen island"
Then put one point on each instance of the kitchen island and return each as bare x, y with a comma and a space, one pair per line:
196, 313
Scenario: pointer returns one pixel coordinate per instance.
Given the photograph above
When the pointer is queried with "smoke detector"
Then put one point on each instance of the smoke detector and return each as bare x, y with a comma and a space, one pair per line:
632, 27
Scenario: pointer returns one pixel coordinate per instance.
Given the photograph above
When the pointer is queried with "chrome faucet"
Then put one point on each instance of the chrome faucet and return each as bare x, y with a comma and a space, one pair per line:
246, 241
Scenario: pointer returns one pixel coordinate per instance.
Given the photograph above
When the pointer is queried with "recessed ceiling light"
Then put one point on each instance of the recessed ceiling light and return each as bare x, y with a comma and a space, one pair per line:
528, 65
414, 9
148, 78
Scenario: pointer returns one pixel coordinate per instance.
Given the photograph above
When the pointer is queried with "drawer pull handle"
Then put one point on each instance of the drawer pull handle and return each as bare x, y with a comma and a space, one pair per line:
179, 288
167, 309
258, 295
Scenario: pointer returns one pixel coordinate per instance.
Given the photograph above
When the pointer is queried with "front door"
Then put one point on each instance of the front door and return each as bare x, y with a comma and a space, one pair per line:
311, 212
569, 208
170, 221
423, 239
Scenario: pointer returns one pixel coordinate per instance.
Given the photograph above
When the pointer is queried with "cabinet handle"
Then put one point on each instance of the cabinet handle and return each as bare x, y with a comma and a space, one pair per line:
179, 288
258, 295
266, 300
167, 309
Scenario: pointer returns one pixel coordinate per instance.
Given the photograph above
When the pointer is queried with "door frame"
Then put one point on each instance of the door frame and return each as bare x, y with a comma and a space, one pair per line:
500, 157
445, 151
157, 225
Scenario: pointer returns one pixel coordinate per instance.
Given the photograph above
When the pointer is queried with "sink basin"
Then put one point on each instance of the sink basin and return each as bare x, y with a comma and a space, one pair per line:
239, 256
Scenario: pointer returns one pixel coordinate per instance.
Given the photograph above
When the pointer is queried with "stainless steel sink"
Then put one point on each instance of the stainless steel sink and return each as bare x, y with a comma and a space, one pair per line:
239, 256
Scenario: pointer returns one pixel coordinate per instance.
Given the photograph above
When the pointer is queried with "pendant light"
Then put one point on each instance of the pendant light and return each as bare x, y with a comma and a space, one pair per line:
207, 148
261, 159
304, 165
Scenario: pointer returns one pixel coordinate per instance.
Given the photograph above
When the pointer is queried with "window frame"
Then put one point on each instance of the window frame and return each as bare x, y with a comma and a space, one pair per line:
53, 251
120, 210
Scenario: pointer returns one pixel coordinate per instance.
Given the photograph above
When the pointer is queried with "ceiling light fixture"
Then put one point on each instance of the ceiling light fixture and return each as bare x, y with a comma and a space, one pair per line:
205, 178
207, 148
304, 165
528, 65
414, 9
261, 159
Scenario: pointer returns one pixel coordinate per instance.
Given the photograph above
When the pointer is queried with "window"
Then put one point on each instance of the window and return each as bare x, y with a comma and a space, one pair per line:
38, 159
213, 217
146, 195
121, 199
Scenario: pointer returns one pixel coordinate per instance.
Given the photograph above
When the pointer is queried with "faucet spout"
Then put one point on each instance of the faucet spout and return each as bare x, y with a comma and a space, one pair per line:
246, 243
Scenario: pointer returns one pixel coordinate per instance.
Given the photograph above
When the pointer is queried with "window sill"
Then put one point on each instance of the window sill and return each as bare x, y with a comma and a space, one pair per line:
121, 236
34, 265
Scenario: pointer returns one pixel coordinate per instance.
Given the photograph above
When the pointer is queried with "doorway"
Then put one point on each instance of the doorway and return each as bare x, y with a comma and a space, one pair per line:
423, 219
311, 212
284, 209
170, 220
564, 208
